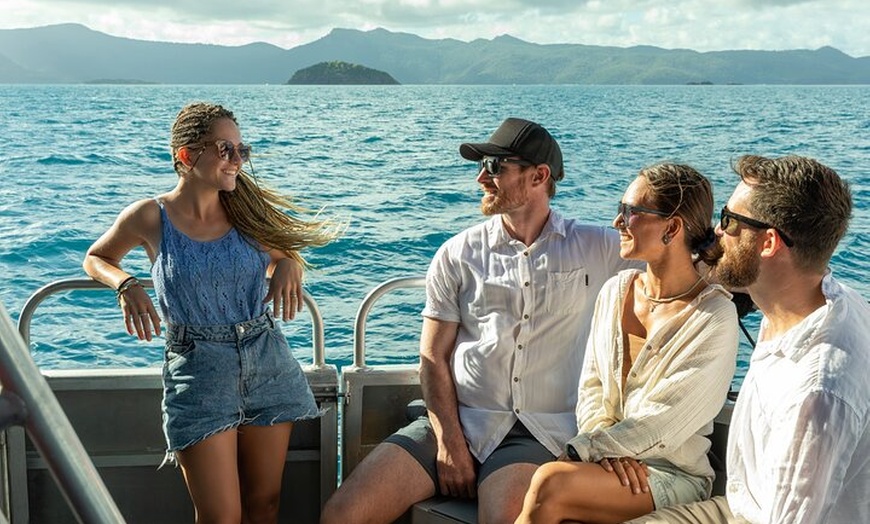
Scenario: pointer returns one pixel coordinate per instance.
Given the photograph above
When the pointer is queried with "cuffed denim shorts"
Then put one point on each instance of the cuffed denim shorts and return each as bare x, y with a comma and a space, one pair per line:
671, 486
217, 378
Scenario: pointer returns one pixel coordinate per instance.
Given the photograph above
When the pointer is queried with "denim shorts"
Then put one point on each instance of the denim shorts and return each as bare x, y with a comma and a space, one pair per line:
671, 486
217, 378
519, 446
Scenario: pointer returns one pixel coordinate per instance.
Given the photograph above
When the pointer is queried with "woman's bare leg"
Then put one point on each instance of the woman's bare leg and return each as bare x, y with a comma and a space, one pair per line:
580, 492
210, 471
262, 455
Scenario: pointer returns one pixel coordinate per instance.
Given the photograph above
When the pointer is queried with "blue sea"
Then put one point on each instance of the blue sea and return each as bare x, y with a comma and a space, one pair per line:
384, 159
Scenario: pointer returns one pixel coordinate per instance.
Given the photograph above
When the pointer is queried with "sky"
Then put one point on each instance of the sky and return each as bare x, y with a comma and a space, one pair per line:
702, 25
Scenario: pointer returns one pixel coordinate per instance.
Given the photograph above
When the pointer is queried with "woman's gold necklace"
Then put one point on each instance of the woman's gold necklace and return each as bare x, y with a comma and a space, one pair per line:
654, 302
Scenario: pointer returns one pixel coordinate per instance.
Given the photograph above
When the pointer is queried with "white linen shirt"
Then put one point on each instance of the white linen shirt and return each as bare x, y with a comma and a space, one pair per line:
799, 442
675, 387
523, 314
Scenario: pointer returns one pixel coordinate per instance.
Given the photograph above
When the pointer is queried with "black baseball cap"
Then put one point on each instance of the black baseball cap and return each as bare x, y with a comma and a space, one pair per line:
518, 137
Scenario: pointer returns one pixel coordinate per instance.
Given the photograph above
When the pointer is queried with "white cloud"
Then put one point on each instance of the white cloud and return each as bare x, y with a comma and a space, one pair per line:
695, 24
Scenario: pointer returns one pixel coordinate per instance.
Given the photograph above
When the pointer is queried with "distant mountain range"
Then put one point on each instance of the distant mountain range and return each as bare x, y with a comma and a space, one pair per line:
71, 53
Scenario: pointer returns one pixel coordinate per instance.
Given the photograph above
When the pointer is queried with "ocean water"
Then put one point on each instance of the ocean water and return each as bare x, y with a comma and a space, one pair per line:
386, 160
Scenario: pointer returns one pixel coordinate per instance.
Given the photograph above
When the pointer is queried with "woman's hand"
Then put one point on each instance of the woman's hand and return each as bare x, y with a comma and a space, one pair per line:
139, 313
631, 472
285, 289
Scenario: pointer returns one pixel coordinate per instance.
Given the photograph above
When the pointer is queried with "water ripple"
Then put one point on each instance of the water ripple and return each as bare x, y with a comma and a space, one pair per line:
387, 161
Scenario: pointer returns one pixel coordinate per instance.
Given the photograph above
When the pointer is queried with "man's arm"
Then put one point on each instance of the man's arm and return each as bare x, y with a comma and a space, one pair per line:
455, 465
809, 469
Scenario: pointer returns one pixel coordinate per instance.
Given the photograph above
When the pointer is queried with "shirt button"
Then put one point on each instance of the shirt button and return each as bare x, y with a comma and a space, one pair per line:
242, 329
517, 411
516, 379
520, 347
525, 317
525, 253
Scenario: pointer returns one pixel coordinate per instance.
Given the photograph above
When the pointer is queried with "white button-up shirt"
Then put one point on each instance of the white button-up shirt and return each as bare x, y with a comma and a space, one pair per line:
674, 390
523, 314
799, 442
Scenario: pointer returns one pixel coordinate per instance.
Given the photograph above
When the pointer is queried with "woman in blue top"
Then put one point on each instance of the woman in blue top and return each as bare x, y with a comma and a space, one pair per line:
232, 389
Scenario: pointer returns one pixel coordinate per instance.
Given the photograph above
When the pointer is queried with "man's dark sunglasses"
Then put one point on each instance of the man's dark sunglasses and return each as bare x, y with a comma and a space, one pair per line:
728, 224
492, 164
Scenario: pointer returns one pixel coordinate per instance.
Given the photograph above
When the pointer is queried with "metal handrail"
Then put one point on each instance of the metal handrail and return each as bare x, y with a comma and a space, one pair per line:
51, 432
359, 325
319, 353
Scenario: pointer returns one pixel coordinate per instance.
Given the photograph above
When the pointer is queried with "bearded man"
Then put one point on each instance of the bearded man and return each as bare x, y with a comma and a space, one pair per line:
508, 308
799, 439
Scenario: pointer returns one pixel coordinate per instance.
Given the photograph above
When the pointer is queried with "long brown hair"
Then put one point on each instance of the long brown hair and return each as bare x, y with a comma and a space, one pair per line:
258, 212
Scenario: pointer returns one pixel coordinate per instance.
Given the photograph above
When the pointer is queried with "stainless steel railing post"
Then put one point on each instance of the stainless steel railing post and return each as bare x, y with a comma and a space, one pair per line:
359, 327
51, 432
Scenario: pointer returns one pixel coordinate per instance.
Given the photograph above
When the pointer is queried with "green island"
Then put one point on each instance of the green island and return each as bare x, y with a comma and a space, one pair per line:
340, 73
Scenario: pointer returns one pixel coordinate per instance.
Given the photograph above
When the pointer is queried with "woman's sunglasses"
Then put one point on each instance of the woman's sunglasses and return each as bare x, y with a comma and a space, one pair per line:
728, 223
227, 150
626, 210
492, 164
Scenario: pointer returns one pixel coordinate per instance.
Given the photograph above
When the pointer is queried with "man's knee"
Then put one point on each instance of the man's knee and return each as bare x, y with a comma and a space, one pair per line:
381, 488
501, 494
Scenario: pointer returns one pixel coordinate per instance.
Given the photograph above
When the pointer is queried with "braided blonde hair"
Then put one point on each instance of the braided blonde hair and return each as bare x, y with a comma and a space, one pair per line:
257, 212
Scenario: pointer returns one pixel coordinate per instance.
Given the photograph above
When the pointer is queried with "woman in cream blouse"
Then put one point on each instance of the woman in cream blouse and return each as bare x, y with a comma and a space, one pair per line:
658, 365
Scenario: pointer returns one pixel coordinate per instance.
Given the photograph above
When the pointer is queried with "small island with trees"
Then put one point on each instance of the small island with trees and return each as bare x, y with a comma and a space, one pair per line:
340, 73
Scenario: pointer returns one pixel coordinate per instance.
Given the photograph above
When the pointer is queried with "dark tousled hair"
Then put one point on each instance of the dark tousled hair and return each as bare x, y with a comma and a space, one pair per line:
805, 199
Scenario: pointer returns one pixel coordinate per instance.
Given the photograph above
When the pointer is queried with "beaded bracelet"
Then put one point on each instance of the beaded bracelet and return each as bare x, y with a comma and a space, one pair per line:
125, 285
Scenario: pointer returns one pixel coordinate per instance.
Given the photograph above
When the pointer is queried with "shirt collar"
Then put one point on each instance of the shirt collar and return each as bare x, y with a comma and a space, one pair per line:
498, 234
797, 341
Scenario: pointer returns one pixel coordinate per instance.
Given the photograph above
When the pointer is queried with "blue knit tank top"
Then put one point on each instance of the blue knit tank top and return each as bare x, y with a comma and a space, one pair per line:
210, 283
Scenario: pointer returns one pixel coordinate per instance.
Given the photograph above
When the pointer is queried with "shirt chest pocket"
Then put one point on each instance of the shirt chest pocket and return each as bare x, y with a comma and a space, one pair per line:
566, 291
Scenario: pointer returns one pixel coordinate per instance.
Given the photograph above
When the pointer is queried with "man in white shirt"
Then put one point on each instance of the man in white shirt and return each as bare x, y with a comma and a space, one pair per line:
799, 440
508, 308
